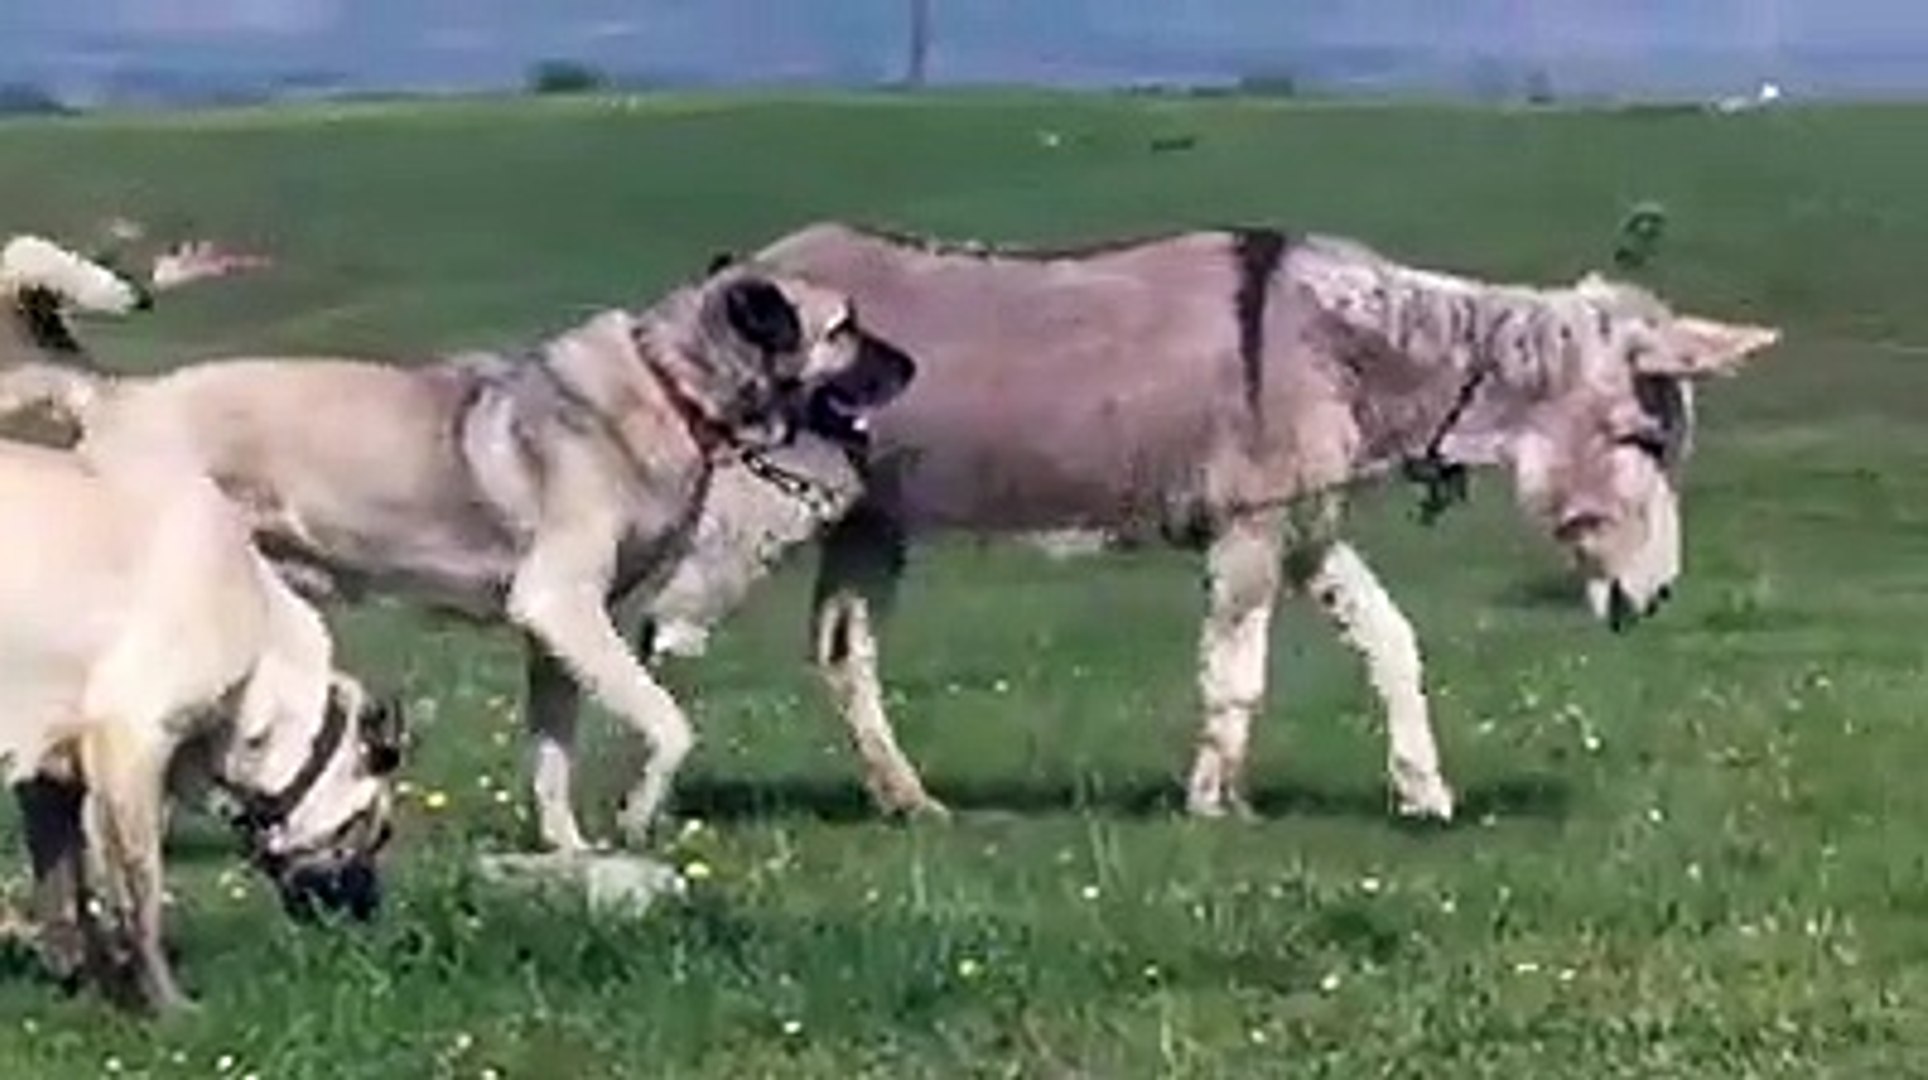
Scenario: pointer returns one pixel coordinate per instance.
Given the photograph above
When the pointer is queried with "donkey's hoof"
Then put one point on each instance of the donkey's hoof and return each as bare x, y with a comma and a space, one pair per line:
175, 1006
1425, 800
918, 808
1221, 808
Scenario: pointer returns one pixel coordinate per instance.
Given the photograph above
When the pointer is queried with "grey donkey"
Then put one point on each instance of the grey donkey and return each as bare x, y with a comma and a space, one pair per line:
1218, 390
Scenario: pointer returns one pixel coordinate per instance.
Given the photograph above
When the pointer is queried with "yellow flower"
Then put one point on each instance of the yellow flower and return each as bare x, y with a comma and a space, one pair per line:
697, 870
969, 968
436, 800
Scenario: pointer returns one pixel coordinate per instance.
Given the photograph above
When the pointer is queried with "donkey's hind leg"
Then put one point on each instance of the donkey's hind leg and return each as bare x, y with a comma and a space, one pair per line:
1241, 584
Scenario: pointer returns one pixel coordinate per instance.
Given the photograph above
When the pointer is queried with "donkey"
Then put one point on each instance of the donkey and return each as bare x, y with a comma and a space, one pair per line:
1219, 390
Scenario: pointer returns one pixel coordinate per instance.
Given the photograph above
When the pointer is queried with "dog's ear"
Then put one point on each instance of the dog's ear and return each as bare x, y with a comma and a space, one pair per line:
759, 312
720, 262
384, 733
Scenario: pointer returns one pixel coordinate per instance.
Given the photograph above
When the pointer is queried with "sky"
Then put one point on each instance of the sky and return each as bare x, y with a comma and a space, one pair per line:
467, 43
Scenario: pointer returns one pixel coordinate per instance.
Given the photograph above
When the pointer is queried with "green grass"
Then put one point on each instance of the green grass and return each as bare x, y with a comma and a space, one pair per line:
1729, 882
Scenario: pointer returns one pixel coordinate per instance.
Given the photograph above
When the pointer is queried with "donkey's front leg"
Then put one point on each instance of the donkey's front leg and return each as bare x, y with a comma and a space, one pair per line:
862, 561
1241, 583
1369, 621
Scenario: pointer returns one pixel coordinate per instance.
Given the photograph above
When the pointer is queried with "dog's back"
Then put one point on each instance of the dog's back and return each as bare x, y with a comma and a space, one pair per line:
133, 586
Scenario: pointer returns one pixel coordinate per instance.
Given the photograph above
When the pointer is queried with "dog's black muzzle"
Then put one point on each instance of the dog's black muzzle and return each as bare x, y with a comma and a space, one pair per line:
341, 877
352, 887
838, 408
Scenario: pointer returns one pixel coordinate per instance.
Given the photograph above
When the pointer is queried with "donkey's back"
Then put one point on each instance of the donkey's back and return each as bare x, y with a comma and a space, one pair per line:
1080, 387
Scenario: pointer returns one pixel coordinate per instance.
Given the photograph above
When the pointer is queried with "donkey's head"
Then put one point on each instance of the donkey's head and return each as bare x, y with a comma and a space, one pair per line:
1590, 406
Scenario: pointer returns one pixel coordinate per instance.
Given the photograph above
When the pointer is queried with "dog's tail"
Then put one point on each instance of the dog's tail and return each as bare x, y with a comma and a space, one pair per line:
70, 395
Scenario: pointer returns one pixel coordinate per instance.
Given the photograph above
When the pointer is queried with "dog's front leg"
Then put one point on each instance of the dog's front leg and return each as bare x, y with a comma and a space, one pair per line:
550, 710
559, 601
125, 767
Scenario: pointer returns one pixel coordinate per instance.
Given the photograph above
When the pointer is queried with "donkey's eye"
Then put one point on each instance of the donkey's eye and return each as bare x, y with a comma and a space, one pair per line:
1651, 443
1578, 524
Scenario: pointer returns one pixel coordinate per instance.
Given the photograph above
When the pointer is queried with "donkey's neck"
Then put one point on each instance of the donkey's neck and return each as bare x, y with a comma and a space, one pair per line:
1421, 348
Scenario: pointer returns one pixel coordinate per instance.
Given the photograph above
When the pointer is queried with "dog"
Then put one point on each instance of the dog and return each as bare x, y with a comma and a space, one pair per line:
143, 637
534, 489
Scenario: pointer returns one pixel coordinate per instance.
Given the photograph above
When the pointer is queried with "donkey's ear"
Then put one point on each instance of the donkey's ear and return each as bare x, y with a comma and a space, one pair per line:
719, 262
1695, 348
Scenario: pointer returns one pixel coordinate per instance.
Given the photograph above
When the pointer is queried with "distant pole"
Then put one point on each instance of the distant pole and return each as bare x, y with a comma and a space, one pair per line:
920, 42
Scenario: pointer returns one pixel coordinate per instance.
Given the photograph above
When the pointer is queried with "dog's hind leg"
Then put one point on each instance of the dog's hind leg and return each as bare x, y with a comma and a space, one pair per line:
553, 704
50, 809
862, 562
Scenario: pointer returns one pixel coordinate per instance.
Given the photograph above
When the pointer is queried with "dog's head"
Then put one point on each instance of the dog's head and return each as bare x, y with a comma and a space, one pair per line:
786, 353
319, 831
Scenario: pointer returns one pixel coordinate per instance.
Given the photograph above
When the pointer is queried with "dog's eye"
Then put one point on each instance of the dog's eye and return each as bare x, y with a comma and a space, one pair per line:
844, 323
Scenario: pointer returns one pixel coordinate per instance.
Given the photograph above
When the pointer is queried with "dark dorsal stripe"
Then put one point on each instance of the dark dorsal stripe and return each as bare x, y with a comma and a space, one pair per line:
1259, 253
933, 245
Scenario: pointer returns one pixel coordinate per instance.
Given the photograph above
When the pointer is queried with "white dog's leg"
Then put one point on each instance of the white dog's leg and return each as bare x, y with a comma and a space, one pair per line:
846, 655
564, 609
51, 815
1373, 625
550, 710
125, 764
1242, 581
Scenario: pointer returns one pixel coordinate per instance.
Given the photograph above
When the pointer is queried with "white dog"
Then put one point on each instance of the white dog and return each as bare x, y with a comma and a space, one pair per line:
136, 618
138, 623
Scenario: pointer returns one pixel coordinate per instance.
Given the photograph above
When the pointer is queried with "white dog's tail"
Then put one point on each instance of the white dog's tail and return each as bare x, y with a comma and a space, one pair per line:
31, 262
53, 378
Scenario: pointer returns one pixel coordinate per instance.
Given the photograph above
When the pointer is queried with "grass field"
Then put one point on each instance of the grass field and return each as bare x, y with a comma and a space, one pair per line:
1691, 851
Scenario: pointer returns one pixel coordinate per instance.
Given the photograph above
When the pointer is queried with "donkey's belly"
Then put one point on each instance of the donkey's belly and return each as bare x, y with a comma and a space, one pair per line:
1018, 485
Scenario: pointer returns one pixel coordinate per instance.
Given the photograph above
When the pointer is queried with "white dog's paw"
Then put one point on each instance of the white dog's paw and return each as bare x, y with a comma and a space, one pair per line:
681, 640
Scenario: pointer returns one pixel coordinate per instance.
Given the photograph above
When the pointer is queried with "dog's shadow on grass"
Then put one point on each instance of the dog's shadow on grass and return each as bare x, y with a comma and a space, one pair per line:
722, 800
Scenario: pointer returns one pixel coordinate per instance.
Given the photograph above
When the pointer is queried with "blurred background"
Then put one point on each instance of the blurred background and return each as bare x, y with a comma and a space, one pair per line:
58, 54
